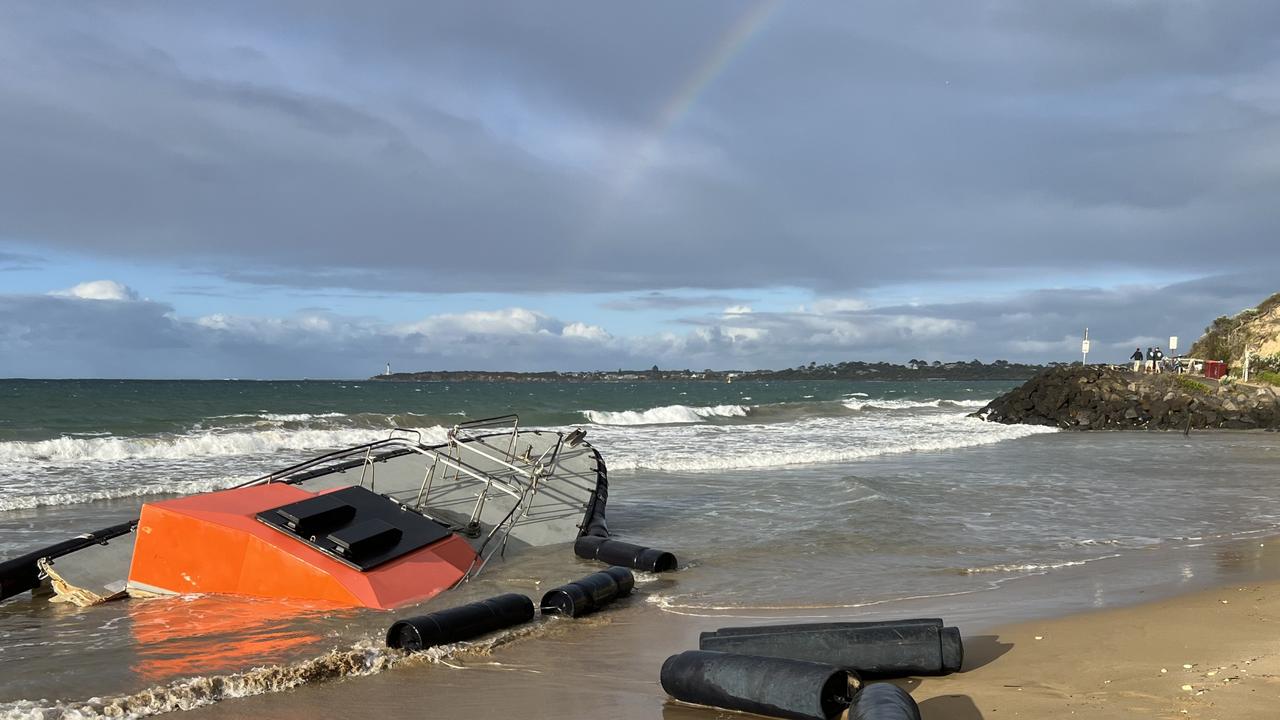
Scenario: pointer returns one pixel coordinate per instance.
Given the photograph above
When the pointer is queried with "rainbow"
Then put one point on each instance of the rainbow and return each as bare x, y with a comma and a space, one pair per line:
729, 44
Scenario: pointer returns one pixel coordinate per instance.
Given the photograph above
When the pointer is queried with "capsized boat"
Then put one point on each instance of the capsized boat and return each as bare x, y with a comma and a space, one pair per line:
379, 525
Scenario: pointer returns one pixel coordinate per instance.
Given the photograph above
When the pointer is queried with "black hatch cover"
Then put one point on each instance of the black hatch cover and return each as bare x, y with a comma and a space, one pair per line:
355, 526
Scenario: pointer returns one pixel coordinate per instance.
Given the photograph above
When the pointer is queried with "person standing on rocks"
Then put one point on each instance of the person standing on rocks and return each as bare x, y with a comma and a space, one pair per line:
1159, 361
1136, 357
1151, 360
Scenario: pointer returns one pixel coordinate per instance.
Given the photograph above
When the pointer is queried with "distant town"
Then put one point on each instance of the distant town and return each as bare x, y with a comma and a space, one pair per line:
913, 370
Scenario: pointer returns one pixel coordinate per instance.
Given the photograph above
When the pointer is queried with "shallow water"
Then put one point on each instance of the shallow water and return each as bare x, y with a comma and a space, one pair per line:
862, 499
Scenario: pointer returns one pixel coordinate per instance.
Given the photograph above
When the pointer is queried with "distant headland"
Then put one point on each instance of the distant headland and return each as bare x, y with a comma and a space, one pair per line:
914, 370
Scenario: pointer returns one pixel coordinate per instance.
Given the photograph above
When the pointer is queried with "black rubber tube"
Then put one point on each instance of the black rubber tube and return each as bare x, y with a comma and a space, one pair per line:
615, 552
22, 573
590, 593
460, 623
766, 686
881, 651
809, 627
883, 701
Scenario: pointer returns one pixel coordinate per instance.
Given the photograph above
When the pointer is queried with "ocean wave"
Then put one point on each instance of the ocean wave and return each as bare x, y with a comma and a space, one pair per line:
298, 417
896, 404
200, 691
826, 440
677, 605
44, 498
365, 658
667, 415
1032, 567
67, 450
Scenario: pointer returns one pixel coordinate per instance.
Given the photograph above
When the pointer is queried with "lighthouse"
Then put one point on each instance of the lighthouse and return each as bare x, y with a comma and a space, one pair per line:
388, 370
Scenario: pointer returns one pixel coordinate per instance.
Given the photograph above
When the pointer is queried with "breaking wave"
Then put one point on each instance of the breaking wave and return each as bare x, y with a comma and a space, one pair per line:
298, 417
33, 499
885, 404
668, 415
200, 444
827, 440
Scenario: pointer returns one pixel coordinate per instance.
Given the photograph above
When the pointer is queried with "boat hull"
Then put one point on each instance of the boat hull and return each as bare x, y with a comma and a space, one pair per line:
214, 543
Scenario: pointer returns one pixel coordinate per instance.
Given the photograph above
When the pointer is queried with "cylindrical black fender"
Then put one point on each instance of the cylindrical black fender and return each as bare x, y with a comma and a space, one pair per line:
878, 651
460, 623
615, 552
590, 593
810, 627
775, 687
883, 701
20, 574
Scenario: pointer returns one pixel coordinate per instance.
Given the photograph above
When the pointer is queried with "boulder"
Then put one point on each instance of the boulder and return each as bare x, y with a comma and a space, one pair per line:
1099, 397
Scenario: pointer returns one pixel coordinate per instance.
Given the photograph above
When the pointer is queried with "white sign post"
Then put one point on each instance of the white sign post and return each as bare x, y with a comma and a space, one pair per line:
1084, 348
1173, 343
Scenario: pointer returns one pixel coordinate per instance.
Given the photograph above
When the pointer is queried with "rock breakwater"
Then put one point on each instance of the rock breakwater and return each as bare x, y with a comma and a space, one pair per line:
1106, 398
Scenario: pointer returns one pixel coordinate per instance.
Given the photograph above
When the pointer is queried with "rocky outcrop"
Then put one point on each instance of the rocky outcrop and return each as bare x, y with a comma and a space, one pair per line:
1105, 398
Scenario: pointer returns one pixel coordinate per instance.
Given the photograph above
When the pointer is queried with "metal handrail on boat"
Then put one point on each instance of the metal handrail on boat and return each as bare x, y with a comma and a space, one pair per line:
519, 481
369, 460
498, 421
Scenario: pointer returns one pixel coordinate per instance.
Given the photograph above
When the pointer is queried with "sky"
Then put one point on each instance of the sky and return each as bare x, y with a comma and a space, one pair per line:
314, 189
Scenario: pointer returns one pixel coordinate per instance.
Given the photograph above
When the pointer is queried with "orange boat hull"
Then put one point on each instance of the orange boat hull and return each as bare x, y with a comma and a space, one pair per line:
213, 543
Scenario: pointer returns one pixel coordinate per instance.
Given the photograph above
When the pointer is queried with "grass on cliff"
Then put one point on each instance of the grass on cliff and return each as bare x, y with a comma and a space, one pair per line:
1266, 376
1194, 387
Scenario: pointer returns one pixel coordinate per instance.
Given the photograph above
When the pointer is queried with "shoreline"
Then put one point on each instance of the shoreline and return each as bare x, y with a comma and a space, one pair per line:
1105, 662
1204, 655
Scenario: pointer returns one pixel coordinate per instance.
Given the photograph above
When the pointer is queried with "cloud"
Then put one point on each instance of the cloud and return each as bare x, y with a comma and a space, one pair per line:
412, 149
839, 305
67, 335
446, 148
18, 261
99, 290
657, 300
592, 333
88, 335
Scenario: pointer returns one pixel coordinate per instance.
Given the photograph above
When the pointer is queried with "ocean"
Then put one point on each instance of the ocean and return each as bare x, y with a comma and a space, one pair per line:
823, 499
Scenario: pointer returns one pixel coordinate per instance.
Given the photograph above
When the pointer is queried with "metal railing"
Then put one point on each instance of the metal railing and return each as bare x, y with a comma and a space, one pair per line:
452, 462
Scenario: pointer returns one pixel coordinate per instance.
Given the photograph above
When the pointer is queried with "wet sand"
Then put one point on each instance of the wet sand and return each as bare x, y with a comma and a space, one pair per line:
1210, 654
1103, 664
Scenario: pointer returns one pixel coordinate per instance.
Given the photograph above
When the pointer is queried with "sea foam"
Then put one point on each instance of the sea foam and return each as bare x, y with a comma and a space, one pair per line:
812, 441
297, 417
198, 444
364, 658
904, 404
667, 415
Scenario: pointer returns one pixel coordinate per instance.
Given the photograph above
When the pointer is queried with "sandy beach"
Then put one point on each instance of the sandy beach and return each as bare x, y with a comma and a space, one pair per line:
1210, 654
1205, 654
932, 515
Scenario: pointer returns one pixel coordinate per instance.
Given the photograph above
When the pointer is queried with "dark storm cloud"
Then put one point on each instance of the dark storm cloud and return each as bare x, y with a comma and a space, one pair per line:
507, 147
